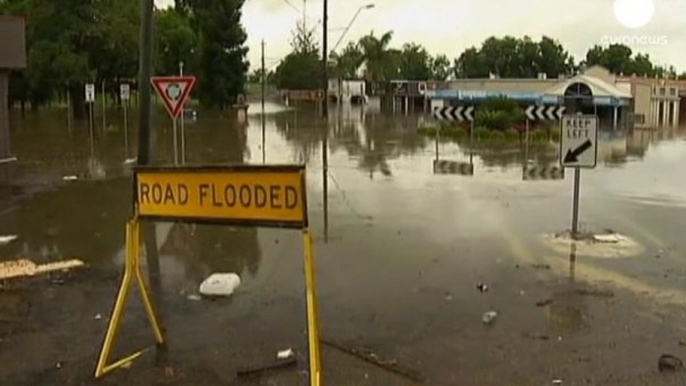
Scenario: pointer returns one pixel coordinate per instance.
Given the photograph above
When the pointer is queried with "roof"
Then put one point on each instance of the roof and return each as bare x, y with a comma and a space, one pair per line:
599, 87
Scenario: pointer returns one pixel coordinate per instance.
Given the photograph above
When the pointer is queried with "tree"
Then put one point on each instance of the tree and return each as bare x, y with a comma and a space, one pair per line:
222, 53
415, 62
301, 69
176, 41
554, 60
510, 57
470, 64
617, 58
382, 63
440, 67
347, 63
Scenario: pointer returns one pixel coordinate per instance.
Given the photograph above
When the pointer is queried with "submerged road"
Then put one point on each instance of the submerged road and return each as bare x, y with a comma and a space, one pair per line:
400, 254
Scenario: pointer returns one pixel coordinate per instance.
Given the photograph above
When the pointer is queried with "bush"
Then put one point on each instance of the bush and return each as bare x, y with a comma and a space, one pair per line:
512, 135
454, 133
481, 133
429, 131
497, 136
538, 136
555, 135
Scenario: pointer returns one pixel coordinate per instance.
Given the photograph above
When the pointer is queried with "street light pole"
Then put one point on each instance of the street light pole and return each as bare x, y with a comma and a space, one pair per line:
325, 55
340, 39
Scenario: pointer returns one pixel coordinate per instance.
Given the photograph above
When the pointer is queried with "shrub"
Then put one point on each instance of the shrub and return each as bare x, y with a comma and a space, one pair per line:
497, 136
512, 135
481, 132
555, 135
454, 133
429, 131
538, 136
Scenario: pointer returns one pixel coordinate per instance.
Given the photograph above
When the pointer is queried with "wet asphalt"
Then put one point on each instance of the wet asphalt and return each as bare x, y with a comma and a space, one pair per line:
400, 252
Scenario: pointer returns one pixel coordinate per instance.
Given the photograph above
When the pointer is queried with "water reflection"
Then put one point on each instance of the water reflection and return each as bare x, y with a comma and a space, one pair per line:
200, 250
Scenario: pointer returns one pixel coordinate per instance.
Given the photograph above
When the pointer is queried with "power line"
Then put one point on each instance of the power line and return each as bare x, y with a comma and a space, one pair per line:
292, 6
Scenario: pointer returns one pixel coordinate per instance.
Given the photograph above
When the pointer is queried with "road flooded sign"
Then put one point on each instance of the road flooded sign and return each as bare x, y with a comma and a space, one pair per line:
579, 141
243, 195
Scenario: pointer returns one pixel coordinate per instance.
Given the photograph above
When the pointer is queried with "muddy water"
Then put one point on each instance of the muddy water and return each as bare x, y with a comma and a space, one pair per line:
399, 249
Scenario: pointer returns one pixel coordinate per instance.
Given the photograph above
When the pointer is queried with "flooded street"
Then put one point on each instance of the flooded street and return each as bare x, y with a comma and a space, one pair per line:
399, 250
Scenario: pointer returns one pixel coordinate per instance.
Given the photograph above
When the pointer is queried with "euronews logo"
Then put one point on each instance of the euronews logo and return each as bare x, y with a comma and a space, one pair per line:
634, 14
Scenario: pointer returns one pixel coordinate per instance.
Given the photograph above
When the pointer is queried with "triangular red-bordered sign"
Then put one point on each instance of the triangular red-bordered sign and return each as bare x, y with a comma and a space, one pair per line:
174, 91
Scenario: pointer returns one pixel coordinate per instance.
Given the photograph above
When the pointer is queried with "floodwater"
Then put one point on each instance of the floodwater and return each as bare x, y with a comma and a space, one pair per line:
399, 250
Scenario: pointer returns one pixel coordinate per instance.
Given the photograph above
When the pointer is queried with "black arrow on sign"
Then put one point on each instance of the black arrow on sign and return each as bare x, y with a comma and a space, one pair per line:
573, 155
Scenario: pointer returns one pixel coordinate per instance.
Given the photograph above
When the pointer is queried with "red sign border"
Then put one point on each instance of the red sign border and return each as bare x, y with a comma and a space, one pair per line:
157, 81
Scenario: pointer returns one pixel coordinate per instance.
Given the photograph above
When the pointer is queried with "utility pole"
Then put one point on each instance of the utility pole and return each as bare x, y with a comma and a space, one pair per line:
325, 54
264, 76
145, 150
264, 79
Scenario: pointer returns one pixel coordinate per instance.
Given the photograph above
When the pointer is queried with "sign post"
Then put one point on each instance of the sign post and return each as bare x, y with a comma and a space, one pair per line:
459, 114
125, 95
540, 113
90, 99
578, 149
174, 91
266, 196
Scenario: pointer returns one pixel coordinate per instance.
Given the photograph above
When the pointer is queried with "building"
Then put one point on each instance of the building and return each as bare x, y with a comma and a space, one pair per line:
617, 100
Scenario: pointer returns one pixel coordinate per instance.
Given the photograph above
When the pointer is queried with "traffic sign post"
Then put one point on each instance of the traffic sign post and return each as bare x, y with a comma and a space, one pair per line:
578, 149
174, 91
459, 114
90, 99
125, 95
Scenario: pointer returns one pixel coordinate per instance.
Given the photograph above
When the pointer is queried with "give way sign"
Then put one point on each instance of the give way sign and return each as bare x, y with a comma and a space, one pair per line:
174, 91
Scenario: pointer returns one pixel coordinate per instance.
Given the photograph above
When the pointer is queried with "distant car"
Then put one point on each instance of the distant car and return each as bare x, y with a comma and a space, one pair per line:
190, 115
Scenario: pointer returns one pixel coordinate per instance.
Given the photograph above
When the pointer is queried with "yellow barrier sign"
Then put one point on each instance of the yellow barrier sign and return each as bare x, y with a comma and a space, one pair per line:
255, 195
245, 195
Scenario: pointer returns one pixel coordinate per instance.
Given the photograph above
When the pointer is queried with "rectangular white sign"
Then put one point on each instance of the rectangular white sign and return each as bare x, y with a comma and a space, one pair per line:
125, 91
579, 141
90, 93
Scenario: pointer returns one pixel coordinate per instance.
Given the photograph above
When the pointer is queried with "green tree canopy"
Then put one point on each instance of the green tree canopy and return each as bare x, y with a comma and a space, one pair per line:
301, 69
511, 57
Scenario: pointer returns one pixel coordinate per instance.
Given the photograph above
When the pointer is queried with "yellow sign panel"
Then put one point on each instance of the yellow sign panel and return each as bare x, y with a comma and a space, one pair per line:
267, 195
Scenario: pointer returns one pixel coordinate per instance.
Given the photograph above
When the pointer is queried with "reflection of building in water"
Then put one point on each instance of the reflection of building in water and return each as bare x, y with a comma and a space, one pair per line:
638, 142
205, 249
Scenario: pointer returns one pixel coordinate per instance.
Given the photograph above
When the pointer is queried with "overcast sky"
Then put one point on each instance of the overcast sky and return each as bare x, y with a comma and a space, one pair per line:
450, 26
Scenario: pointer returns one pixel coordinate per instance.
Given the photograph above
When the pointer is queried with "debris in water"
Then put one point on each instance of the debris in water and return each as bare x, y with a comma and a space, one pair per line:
194, 297
285, 354
220, 284
557, 381
482, 287
130, 161
58, 365
543, 303
612, 238
256, 370
97, 317
70, 178
448, 297
489, 317
540, 266
669, 362
25, 267
537, 336
4, 240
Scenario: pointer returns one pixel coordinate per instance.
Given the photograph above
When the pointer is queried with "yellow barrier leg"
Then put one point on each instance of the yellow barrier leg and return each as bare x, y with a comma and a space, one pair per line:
144, 293
122, 295
312, 311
